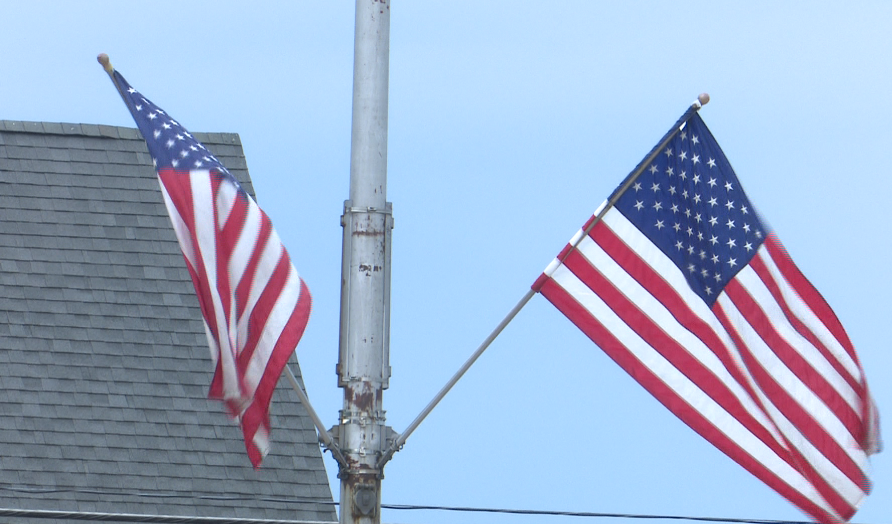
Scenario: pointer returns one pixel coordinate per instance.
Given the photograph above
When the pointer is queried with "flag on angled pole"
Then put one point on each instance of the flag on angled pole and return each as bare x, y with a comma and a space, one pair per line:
254, 304
683, 285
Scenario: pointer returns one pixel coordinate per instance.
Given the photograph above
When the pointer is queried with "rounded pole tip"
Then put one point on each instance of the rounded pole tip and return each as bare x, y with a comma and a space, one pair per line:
703, 98
106, 64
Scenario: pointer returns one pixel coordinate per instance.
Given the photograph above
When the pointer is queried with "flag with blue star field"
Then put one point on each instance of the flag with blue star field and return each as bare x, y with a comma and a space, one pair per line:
255, 305
685, 287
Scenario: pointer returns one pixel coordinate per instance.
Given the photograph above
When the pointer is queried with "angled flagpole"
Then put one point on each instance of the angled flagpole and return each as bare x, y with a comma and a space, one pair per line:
398, 443
324, 435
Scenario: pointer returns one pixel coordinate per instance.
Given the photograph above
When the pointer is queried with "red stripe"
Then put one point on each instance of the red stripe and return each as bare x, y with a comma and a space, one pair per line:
259, 314
246, 279
781, 398
657, 286
656, 337
808, 293
178, 187
666, 396
767, 278
791, 358
825, 489
257, 413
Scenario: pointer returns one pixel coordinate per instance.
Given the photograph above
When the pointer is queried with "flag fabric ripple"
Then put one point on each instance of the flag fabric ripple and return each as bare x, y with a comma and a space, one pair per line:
254, 304
684, 287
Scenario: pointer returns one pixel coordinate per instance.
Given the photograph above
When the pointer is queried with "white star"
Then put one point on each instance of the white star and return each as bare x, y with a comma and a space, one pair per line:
712, 182
658, 206
728, 186
683, 175
659, 225
679, 245
690, 231
170, 143
684, 135
758, 234
684, 193
746, 227
668, 151
637, 186
696, 179
730, 224
694, 139
184, 153
138, 107
165, 125
156, 133
708, 290
653, 169
713, 240
131, 90
674, 208
713, 202
713, 221
730, 205
671, 190
152, 116
690, 250
655, 187
698, 218
711, 163
696, 198
748, 246
684, 155
670, 171
704, 272
639, 205
732, 262
715, 259
687, 213
695, 159
717, 277
198, 163
702, 256
180, 137
744, 210
731, 242
174, 162
691, 268
677, 227
700, 236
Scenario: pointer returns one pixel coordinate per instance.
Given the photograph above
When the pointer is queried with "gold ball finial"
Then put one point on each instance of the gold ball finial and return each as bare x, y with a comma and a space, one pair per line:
703, 98
106, 64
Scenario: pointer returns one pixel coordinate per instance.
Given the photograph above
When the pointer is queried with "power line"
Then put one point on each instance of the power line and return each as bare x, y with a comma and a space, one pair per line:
297, 500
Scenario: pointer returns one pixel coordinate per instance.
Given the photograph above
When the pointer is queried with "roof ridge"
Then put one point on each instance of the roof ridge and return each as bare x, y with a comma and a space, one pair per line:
101, 130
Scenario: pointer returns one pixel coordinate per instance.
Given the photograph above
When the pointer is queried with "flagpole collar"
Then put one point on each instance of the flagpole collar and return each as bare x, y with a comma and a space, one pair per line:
106, 64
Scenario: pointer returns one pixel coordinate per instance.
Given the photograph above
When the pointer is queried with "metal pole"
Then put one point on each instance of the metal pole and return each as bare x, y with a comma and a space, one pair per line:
363, 368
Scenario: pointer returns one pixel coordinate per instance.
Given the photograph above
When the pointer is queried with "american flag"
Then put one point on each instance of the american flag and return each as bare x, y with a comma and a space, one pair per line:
684, 287
254, 304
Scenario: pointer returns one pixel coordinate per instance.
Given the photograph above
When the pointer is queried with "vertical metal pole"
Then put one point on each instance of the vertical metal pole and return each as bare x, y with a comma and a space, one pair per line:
363, 367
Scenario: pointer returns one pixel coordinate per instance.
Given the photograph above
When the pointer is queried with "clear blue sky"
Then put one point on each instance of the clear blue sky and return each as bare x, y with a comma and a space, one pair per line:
509, 123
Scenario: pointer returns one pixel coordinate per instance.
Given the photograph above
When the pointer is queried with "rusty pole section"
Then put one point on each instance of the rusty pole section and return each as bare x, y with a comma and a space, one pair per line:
363, 365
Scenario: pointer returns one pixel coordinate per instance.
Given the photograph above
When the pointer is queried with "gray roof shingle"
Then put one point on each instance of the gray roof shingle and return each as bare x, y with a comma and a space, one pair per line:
104, 366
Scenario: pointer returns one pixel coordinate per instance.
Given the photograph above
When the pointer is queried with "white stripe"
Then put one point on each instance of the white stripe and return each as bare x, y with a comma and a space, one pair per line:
684, 388
205, 233
786, 379
272, 252
272, 330
660, 315
808, 317
835, 478
778, 320
246, 243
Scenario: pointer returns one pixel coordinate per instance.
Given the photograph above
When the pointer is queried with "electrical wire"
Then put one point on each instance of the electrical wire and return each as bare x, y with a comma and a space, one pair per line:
325, 502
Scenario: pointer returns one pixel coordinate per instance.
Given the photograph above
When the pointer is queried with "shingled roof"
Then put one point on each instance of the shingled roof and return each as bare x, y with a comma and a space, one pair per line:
104, 365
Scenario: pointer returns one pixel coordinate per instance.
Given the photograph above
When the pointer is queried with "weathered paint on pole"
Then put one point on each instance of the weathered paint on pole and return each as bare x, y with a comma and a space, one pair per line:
363, 367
